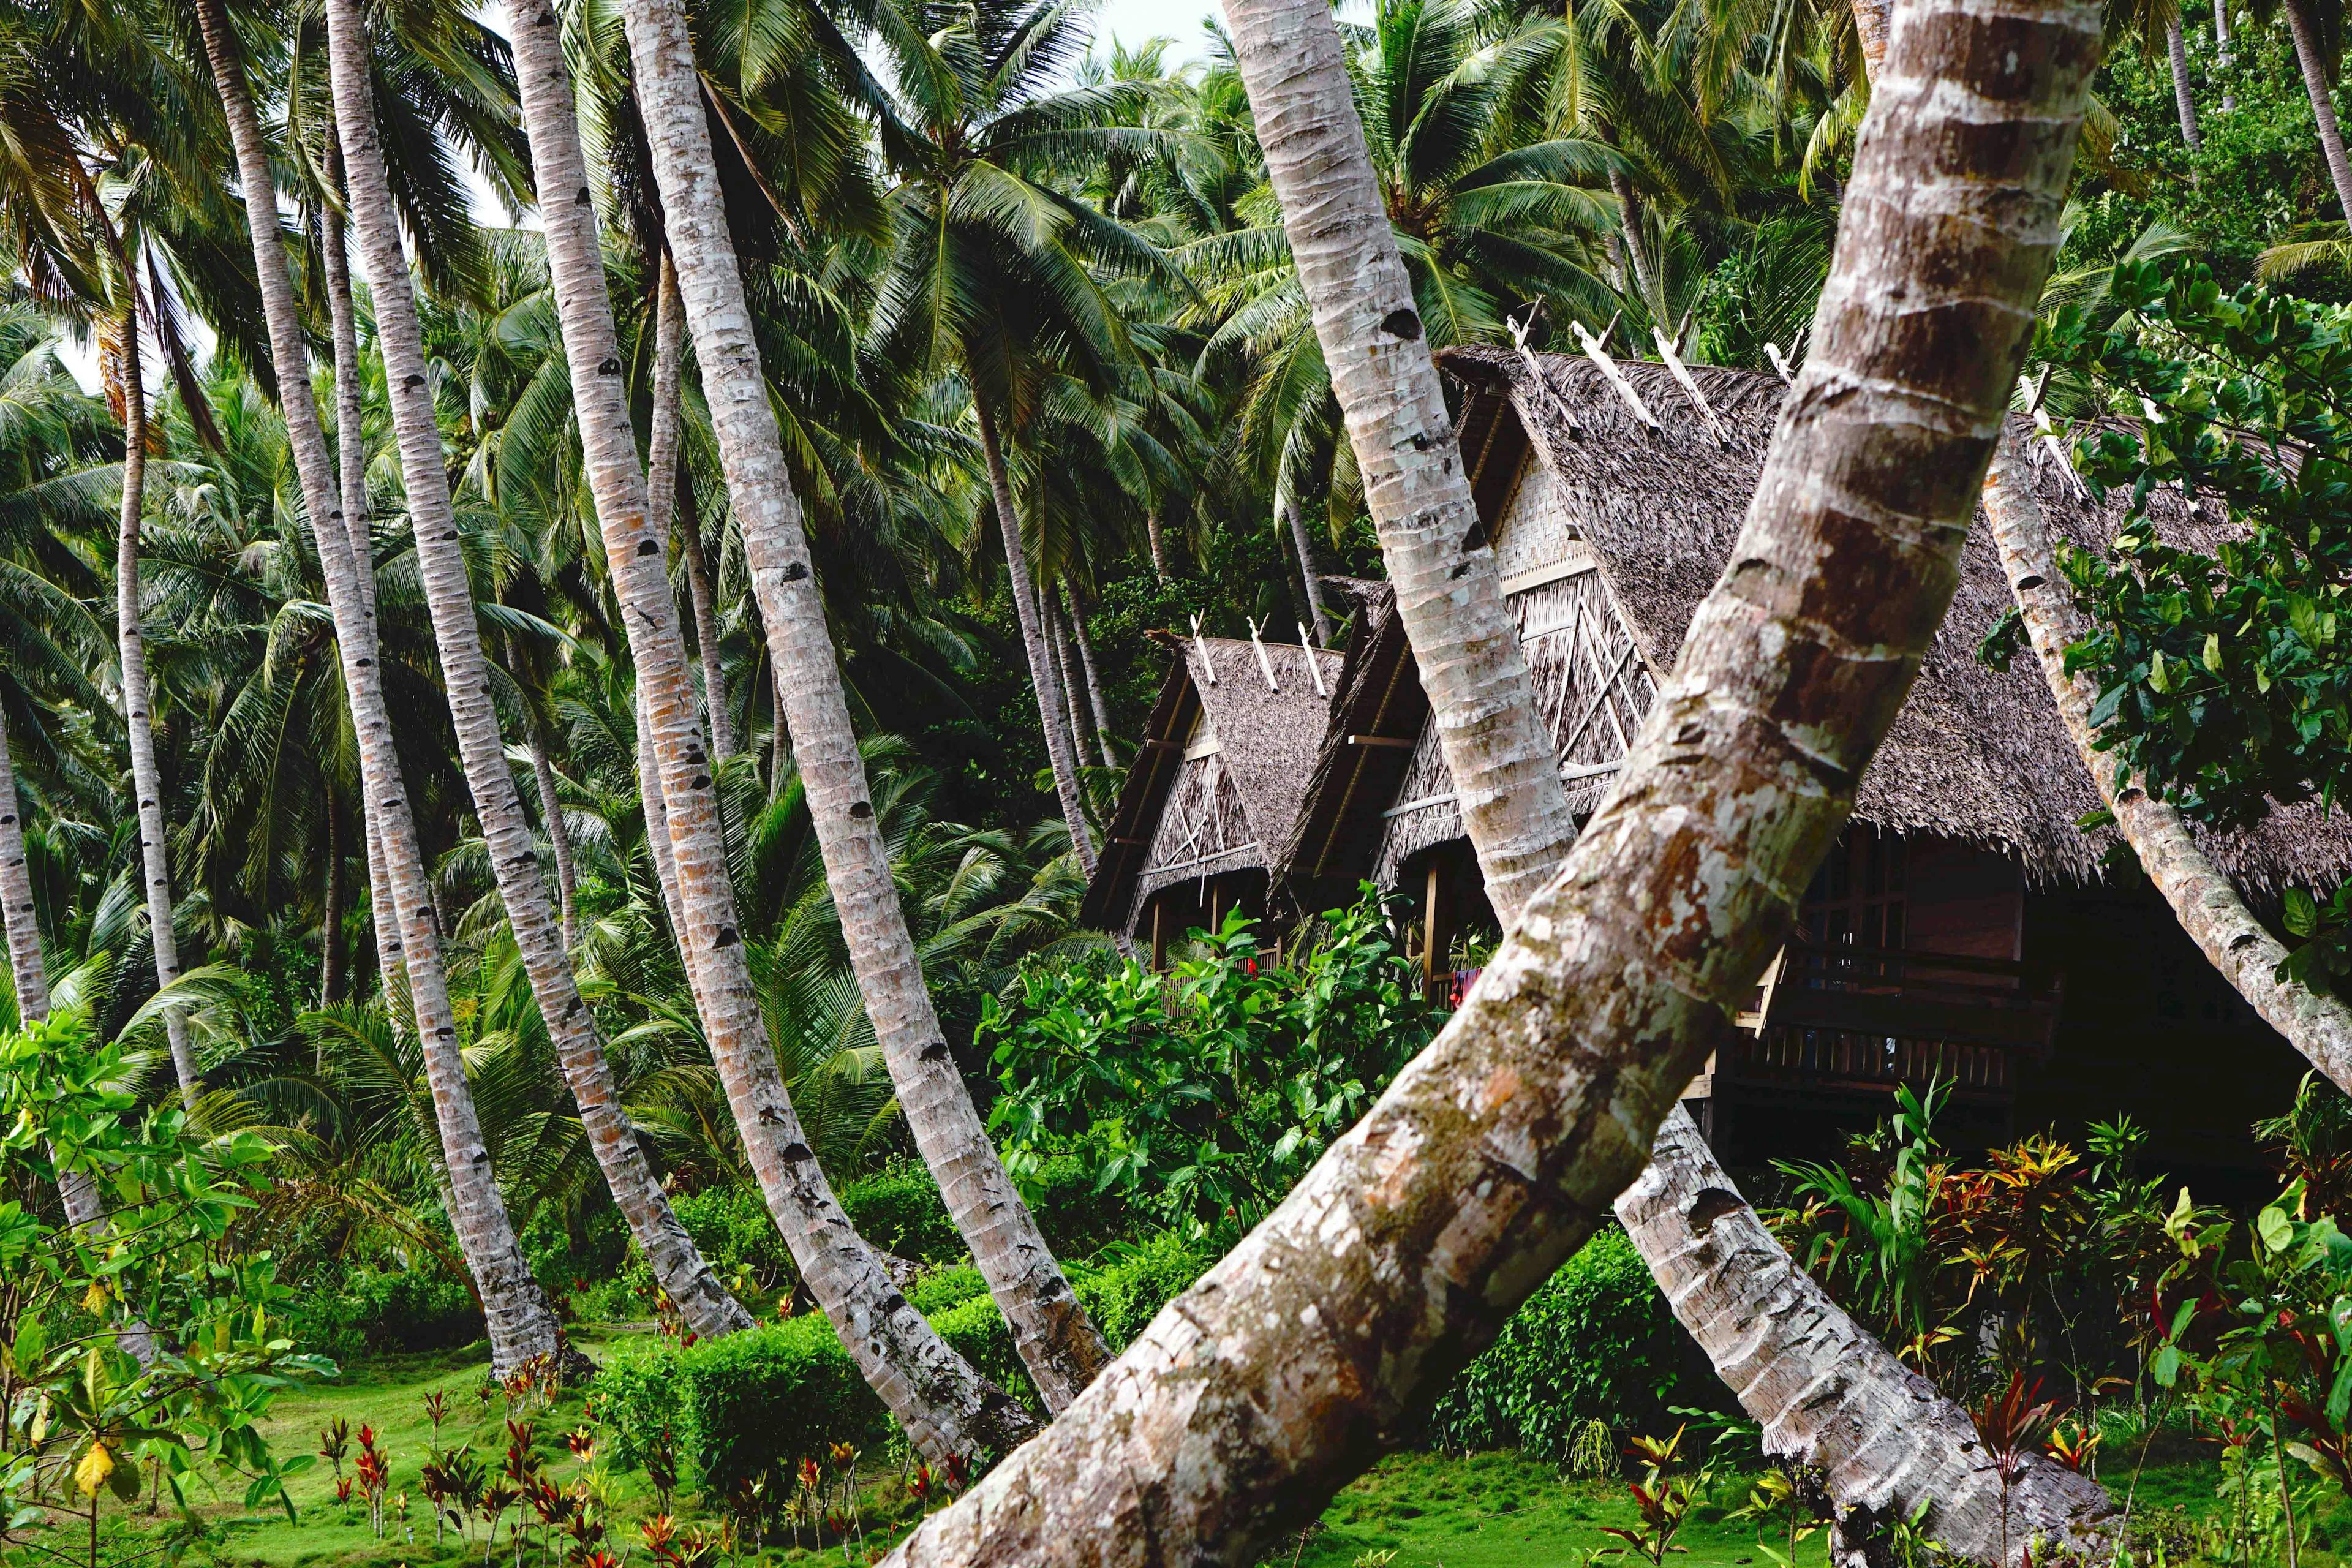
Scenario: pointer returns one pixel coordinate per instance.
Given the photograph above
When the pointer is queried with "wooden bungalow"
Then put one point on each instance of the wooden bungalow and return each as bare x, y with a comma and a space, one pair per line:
1213, 788
1966, 927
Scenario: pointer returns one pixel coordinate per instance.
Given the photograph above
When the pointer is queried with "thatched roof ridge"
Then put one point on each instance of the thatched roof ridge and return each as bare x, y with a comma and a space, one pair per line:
1268, 739
1976, 755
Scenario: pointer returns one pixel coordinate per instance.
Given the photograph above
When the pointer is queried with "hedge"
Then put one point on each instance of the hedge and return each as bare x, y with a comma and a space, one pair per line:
752, 1404
1596, 1341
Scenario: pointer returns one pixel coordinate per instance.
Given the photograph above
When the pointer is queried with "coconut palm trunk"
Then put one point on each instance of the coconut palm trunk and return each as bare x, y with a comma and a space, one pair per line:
521, 1325
543, 944
671, 492
1058, 1342
559, 836
1827, 1394
1028, 610
1254, 1395
2304, 28
2207, 906
333, 967
27, 970
658, 840
1873, 22
944, 1405
1084, 738
138, 702
78, 1194
350, 471
2184, 103
1307, 572
1094, 681
2221, 52
1154, 534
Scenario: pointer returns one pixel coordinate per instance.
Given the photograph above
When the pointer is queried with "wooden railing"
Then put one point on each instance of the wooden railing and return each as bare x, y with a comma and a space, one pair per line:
1869, 1018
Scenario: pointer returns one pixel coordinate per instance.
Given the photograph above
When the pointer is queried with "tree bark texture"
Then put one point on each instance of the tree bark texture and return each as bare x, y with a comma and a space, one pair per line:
1873, 22
2200, 894
2303, 27
78, 1194
658, 840
1827, 1393
1254, 1395
1028, 609
1057, 1341
1152, 533
1084, 738
2221, 52
334, 973
28, 969
943, 1404
521, 1325
138, 698
1307, 574
559, 836
671, 489
1094, 681
350, 469
543, 944
2184, 102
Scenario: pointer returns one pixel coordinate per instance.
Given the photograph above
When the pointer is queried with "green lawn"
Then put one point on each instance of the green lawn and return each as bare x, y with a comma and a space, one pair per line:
1421, 1509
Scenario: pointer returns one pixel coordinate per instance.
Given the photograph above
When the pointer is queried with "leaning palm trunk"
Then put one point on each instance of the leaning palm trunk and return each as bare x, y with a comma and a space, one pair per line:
2303, 27
350, 468
1094, 682
85, 1206
2208, 907
138, 712
27, 969
1058, 1342
543, 945
1254, 1395
559, 836
1873, 20
657, 841
670, 490
1028, 609
1827, 1394
1084, 738
521, 1325
944, 1405
2184, 103
1307, 572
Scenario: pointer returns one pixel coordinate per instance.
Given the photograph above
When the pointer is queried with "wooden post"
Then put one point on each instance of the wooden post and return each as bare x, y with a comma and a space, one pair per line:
1160, 930
1432, 950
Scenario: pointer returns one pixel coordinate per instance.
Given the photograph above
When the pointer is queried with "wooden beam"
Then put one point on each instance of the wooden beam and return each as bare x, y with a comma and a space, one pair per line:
1402, 742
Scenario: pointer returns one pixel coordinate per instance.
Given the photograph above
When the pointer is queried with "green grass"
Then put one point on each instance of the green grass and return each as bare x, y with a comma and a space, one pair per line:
1428, 1510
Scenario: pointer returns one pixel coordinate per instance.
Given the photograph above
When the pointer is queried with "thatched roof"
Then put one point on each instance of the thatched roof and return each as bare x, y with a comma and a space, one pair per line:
1266, 742
1976, 755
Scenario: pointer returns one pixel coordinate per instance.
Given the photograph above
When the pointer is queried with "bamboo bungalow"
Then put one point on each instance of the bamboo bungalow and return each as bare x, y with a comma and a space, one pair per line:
1214, 787
1965, 928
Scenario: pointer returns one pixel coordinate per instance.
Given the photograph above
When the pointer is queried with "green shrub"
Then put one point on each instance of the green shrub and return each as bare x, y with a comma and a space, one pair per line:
976, 1331
940, 1288
898, 1207
1134, 1281
371, 1310
1595, 1343
731, 1228
747, 1406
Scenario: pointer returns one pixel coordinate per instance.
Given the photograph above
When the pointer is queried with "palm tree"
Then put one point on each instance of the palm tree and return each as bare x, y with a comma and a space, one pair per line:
993, 272
543, 944
521, 1325
1058, 1341
944, 1405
